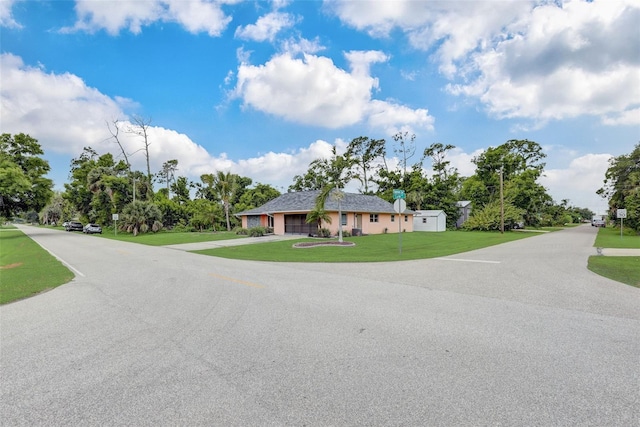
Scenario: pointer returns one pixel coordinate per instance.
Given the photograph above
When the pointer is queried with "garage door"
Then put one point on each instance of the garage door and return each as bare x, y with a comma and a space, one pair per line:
297, 224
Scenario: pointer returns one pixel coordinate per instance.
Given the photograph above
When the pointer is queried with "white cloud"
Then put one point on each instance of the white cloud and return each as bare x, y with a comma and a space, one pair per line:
579, 181
298, 46
194, 15
532, 60
6, 16
582, 59
266, 27
65, 115
57, 109
313, 91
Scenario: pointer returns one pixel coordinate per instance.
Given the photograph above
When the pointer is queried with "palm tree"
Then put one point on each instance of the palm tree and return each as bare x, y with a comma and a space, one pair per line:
139, 217
225, 186
317, 215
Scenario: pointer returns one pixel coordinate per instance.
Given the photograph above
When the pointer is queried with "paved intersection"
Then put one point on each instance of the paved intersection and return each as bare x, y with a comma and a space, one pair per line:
516, 334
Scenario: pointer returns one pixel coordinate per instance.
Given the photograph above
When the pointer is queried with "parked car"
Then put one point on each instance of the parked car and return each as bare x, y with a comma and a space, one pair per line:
599, 223
92, 229
74, 226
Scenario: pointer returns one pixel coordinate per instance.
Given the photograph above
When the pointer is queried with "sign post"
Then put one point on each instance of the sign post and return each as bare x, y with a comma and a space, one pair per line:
115, 217
622, 214
399, 206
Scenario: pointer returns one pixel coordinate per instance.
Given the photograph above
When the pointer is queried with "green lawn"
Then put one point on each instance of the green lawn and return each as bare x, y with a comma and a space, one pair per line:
25, 268
625, 269
164, 238
373, 248
609, 237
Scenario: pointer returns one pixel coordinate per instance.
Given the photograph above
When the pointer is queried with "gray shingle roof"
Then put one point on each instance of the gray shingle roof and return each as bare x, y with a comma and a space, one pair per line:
305, 201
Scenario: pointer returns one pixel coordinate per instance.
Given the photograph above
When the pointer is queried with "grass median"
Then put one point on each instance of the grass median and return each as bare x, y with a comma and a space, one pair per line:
373, 248
624, 269
25, 268
164, 238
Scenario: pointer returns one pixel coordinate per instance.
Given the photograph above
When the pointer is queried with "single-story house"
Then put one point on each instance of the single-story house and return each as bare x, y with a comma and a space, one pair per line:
430, 220
464, 209
361, 214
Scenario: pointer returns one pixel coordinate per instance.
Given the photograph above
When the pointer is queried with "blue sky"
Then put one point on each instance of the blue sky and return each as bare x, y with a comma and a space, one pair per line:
263, 88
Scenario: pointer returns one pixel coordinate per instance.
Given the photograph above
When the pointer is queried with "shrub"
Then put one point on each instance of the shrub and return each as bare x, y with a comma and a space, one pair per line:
257, 231
324, 232
241, 231
488, 217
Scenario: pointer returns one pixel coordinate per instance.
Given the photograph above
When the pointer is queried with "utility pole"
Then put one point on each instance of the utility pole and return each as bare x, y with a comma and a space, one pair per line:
134, 189
501, 203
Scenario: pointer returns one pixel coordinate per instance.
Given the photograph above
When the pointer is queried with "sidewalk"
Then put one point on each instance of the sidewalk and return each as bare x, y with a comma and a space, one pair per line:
618, 252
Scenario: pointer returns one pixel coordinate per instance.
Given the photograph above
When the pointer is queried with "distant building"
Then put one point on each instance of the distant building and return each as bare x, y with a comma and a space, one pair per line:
464, 209
361, 214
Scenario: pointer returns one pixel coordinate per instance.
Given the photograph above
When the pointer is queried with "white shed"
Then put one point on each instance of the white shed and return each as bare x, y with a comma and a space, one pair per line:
430, 221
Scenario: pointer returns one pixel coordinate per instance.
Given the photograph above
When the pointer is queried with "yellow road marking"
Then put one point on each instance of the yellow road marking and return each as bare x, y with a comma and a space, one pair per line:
242, 282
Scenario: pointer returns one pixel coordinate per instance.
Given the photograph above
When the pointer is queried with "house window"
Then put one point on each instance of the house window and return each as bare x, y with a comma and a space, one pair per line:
393, 218
270, 221
424, 220
344, 219
373, 217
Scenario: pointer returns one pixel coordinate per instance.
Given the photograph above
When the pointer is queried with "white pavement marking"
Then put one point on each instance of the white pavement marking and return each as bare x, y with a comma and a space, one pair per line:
75, 270
469, 260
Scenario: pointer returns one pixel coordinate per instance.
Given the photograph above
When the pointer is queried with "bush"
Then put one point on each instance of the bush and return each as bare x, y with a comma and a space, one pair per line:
241, 231
257, 231
324, 232
182, 227
488, 217
346, 233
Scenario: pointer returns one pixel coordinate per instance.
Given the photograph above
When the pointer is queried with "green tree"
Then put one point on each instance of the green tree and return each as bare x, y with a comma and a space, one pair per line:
98, 186
364, 152
204, 214
520, 163
141, 217
167, 174
336, 170
622, 186
54, 212
338, 173
488, 218
257, 196
182, 188
30, 189
205, 189
405, 148
225, 186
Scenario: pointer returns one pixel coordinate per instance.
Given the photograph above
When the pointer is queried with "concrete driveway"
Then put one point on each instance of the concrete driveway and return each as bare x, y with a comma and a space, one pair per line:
517, 334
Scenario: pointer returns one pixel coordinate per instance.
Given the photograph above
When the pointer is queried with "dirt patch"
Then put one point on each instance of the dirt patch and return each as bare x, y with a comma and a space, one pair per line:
8, 266
315, 244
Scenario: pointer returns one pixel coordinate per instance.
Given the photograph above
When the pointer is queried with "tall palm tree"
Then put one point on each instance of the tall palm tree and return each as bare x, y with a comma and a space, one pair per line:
225, 186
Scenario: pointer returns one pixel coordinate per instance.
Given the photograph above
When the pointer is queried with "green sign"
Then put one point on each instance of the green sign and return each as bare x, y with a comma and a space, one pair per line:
398, 194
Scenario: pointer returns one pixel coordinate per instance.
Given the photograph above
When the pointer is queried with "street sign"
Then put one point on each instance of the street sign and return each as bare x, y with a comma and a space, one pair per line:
622, 213
398, 194
399, 205
115, 217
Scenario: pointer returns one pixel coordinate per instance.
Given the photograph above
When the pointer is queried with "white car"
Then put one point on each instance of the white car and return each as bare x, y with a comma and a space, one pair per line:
92, 229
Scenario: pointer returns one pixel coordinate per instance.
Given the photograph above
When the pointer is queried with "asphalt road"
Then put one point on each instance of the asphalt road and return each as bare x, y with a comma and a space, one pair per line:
519, 334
